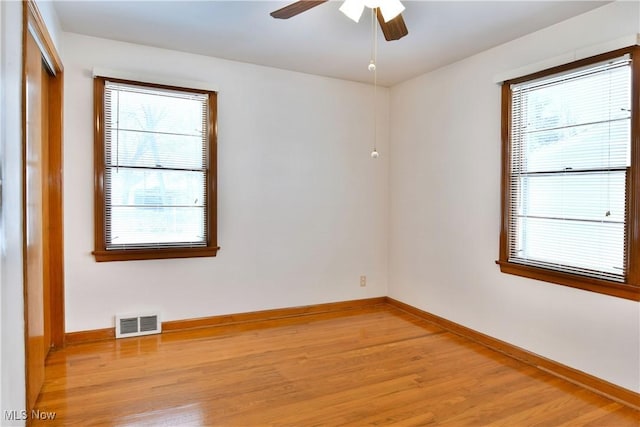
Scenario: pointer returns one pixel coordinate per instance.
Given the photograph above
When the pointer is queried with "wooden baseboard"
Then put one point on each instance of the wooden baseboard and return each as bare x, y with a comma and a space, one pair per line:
79, 337
231, 319
261, 316
595, 384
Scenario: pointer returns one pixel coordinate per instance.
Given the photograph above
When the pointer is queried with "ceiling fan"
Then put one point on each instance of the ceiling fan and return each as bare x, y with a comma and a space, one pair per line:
388, 13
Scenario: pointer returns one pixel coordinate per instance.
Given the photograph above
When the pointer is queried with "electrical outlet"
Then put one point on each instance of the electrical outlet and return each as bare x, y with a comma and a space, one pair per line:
363, 281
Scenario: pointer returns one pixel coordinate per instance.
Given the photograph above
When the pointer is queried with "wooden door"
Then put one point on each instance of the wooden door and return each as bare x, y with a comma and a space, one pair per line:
34, 275
46, 259
42, 199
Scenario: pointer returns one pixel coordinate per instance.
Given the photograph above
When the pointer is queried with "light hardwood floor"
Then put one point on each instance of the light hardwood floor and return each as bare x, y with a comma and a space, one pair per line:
368, 366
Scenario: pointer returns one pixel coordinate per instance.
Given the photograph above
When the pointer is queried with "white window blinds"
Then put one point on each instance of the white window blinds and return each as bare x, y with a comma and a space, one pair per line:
570, 147
155, 175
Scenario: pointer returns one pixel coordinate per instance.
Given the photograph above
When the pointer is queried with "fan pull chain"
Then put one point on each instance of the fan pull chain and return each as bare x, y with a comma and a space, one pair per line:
373, 68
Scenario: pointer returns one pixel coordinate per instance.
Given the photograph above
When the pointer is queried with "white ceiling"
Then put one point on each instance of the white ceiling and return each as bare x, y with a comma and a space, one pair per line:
319, 41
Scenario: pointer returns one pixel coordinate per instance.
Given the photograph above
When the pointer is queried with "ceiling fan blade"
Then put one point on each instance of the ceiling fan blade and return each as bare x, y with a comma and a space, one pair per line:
296, 8
395, 29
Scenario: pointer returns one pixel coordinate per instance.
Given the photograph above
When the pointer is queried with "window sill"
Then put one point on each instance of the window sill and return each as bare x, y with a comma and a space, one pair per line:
142, 254
619, 290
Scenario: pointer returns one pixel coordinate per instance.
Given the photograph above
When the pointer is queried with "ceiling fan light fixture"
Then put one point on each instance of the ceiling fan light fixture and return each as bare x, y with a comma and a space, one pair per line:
353, 9
389, 8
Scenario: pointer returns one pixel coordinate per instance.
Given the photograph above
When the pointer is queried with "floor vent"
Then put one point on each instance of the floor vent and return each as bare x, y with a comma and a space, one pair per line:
137, 325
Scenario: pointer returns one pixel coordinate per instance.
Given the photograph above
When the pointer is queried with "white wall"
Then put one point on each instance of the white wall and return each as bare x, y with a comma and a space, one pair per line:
303, 209
11, 300
51, 20
2, 232
445, 211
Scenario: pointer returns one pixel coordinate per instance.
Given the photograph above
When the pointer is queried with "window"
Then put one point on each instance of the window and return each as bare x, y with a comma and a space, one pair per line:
155, 171
571, 175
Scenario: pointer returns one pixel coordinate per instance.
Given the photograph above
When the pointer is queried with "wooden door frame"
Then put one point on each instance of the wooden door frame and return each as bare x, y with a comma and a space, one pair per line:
33, 24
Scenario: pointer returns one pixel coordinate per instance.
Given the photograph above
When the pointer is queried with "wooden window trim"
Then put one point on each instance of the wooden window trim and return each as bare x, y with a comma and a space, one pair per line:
630, 289
100, 252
